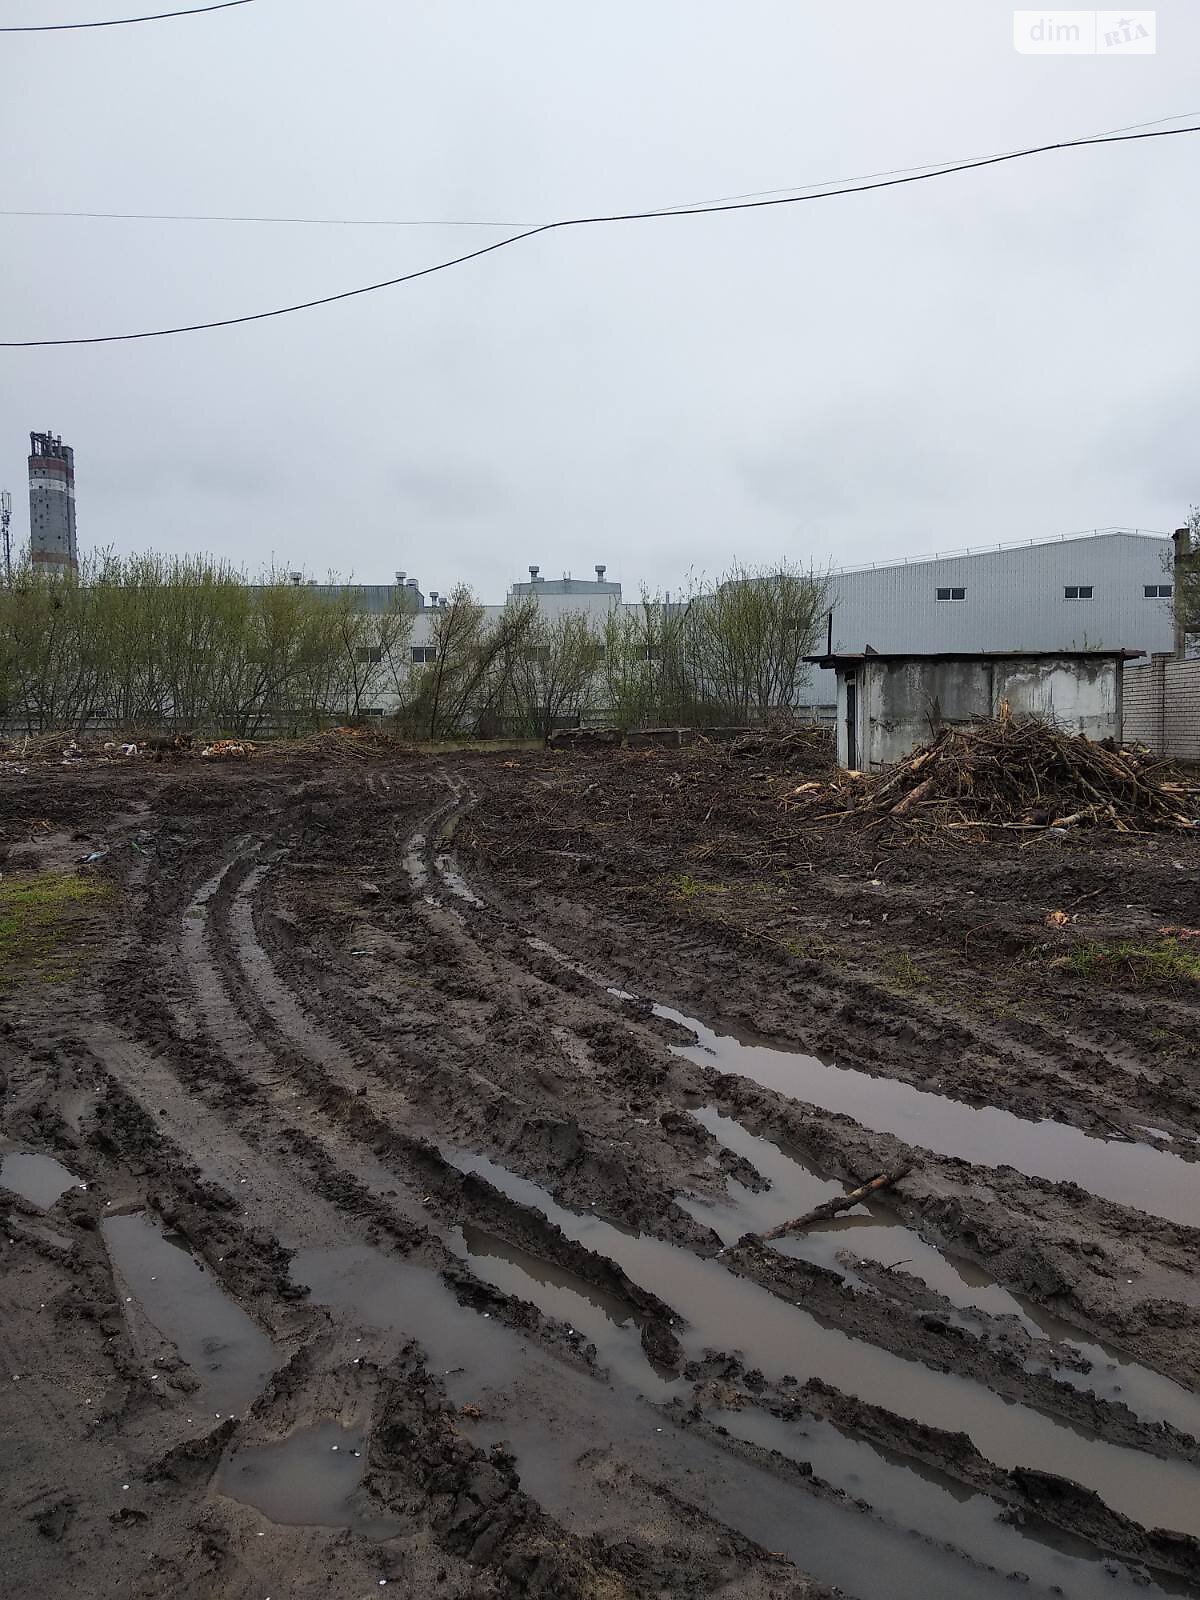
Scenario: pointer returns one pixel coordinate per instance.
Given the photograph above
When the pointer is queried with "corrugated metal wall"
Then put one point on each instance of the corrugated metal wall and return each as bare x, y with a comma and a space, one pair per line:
1014, 600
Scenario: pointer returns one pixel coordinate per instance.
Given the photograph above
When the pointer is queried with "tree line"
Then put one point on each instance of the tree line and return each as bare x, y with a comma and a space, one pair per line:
733, 651
156, 642
149, 642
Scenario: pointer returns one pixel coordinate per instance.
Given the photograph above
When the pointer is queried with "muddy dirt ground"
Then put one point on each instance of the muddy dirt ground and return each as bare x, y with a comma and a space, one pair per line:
384, 1154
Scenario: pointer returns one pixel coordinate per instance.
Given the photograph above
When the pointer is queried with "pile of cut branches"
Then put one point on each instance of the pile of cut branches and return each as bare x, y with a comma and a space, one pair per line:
804, 746
340, 745
1024, 773
50, 747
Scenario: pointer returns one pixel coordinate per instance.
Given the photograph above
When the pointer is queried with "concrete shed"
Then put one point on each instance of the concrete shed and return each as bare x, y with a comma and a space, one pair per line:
889, 703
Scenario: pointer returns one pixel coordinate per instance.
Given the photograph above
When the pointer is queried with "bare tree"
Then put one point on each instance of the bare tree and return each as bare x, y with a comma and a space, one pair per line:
748, 638
556, 673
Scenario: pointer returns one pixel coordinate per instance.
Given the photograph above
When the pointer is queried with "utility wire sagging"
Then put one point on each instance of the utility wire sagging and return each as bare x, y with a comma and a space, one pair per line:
581, 222
122, 22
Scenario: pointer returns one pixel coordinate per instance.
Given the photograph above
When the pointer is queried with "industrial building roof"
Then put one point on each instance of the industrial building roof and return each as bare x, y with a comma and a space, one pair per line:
853, 657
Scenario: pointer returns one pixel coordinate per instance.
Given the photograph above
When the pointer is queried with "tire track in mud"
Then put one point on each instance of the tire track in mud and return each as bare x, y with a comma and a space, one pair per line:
282, 1035
455, 885
1172, 1249
863, 1540
1020, 1054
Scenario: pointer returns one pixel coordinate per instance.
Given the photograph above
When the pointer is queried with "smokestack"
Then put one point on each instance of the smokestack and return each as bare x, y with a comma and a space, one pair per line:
533, 574
601, 569
1182, 538
433, 597
400, 577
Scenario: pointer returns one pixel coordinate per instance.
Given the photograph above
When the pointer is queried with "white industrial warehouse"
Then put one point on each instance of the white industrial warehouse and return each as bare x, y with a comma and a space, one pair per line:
1109, 589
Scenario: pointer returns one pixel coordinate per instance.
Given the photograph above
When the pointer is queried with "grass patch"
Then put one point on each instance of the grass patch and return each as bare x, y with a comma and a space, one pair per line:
687, 888
1154, 964
904, 970
37, 914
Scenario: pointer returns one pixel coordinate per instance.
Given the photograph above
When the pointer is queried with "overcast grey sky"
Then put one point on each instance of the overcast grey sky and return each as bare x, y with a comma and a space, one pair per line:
995, 355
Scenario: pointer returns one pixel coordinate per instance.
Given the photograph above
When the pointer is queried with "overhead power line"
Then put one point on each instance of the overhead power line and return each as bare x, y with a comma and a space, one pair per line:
582, 222
479, 222
314, 222
124, 22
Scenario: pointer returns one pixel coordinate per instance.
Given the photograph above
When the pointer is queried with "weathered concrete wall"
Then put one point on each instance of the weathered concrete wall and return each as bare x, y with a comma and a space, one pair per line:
902, 704
1077, 696
906, 703
1162, 706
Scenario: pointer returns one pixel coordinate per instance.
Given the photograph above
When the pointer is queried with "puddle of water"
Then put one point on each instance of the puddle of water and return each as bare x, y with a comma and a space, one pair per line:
1144, 1178
726, 1312
39, 1179
309, 1479
392, 1295
603, 1319
414, 861
1135, 1175
878, 1234
841, 1546
229, 1353
453, 879
943, 1509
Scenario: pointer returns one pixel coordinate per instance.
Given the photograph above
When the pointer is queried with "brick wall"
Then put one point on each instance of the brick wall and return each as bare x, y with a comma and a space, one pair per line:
1162, 706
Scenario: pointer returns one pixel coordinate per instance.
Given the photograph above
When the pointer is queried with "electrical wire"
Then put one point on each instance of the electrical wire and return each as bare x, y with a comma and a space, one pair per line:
315, 222
475, 222
892, 172
124, 22
581, 222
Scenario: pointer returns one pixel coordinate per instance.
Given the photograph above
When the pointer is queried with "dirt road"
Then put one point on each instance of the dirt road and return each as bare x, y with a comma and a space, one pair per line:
385, 1151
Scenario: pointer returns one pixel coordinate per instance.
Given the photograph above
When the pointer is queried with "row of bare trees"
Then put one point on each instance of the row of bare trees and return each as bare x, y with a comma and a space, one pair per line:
167, 642
728, 652
186, 642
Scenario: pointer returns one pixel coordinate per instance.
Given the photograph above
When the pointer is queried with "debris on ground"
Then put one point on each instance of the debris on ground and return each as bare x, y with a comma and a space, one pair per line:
835, 1206
228, 750
341, 745
803, 746
1024, 773
59, 746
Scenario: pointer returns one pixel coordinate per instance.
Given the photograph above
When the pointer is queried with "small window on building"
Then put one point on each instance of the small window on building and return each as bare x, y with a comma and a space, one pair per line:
539, 653
367, 656
422, 654
1077, 591
1157, 591
952, 594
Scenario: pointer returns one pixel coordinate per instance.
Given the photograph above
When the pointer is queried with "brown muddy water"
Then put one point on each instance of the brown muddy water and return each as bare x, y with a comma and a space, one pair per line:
597, 1318
875, 1232
918, 1497
310, 1478
39, 1179
228, 1352
1140, 1176
1135, 1175
722, 1311
896, 1556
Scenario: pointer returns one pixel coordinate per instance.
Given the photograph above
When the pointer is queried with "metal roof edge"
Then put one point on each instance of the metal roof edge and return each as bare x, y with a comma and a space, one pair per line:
856, 657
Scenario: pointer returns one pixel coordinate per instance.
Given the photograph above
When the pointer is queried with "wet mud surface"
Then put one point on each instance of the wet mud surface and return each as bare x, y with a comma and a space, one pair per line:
384, 1180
